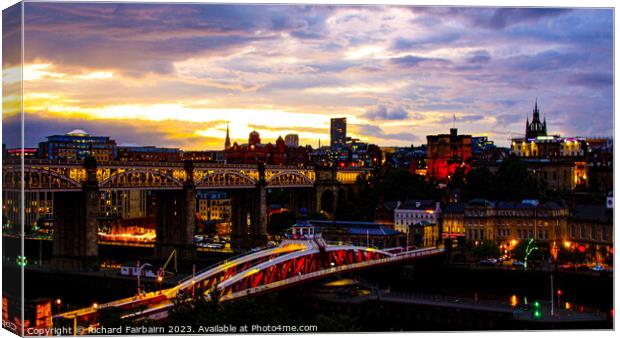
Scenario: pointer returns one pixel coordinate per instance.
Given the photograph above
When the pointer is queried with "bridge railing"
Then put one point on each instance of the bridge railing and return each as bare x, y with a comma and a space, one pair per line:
44, 161
215, 265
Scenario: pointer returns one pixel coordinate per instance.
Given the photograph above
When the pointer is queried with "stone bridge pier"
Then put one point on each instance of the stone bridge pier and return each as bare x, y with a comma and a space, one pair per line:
176, 219
302, 198
249, 215
76, 235
326, 192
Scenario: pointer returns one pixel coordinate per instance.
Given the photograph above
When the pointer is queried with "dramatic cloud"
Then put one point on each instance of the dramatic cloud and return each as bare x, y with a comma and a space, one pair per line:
383, 112
176, 74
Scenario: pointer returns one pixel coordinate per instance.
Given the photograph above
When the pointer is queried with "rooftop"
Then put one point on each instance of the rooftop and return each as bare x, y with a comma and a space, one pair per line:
593, 212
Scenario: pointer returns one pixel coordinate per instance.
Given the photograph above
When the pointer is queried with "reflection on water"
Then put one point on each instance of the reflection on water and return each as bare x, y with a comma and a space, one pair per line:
514, 300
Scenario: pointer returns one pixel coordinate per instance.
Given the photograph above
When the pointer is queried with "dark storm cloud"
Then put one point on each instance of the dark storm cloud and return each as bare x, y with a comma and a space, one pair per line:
384, 112
378, 132
11, 36
141, 38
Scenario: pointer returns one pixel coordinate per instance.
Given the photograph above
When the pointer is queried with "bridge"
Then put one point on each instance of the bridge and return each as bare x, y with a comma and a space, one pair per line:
71, 175
76, 186
295, 261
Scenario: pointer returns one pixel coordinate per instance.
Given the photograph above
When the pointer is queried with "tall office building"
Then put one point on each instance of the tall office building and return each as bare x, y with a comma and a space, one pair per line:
338, 132
291, 140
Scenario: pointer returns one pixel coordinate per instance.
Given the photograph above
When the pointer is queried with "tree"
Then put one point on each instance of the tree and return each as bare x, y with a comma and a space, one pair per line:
478, 184
280, 222
486, 249
514, 182
399, 184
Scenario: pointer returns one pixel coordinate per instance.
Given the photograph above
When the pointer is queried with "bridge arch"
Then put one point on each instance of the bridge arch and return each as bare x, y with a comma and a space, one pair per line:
140, 178
225, 178
289, 179
39, 178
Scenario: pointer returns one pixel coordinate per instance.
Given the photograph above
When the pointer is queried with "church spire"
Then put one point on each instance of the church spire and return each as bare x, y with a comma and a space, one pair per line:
536, 114
227, 142
535, 128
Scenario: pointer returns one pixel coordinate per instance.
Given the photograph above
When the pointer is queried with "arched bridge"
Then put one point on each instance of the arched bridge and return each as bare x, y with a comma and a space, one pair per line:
293, 262
48, 175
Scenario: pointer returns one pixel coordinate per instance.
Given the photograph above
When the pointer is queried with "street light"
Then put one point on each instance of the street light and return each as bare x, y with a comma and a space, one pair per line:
95, 306
159, 280
58, 303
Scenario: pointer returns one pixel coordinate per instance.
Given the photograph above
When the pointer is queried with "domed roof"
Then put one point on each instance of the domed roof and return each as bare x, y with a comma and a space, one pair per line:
77, 132
254, 132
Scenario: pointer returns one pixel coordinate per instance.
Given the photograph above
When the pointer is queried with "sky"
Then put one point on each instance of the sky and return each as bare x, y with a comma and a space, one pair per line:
175, 75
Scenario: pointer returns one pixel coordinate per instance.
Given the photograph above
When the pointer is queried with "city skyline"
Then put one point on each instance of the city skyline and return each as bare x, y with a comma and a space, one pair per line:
177, 75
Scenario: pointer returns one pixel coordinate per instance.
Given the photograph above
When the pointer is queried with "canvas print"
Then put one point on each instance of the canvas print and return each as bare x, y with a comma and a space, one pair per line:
199, 168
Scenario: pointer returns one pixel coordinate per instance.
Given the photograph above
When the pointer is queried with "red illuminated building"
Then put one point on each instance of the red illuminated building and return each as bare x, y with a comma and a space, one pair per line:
446, 153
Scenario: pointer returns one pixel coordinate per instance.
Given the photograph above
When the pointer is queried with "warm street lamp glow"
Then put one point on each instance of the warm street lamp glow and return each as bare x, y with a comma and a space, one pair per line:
567, 244
58, 301
95, 306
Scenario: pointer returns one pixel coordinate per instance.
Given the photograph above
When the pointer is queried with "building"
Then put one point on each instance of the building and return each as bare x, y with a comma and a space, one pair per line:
291, 140
384, 213
554, 147
26, 152
519, 221
423, 234
535, 128
358, 233
338, 132
590, 229
410, 158
214, 206
480, 145
38, 212
479, 220
321, 156
411, 212
557, 174
256, 152
453, 220
599, 162
149, 154
78, 145
559, 163
446, 153
205, 156
508, 223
